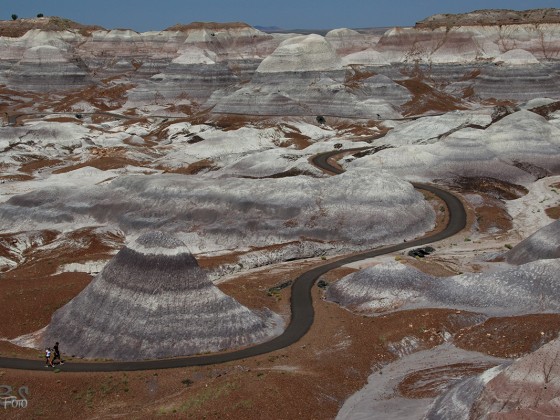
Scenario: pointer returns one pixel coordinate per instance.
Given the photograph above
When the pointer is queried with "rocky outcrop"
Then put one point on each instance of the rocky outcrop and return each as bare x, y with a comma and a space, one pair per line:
347, 41
237, 213
469, 43
234, 68
152, 301
368, 57
516, 82
516, 57
311, 53
18, 28
193, 75
383, 397
101, 53
528, 388
529, 288
491, 17
46, 68
305, 76
543, 244
457, 144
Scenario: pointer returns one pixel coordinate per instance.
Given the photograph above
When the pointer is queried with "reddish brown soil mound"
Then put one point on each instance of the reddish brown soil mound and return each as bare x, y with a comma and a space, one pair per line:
426, 98
510, 336
553, 212
491, 213
103, 97
429, 383
105, 159
50, 250
494, 187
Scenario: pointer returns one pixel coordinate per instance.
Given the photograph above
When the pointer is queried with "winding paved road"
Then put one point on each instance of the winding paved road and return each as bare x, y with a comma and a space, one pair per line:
301, 300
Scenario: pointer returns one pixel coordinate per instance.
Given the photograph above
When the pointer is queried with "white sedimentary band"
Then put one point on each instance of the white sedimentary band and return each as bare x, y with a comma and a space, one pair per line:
158, 250
543, 244
528, 288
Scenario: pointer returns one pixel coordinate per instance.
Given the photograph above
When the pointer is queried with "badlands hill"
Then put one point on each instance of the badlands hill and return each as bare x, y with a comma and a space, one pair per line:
17, 28
526, 387
525, 289
235, 69
152, 301
491, 17
209, 131
543, 244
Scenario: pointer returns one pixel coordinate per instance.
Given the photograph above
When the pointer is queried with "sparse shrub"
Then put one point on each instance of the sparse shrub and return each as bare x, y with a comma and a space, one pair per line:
14, 17
187, 382
508, 246
322, 284
421, 252
276, 289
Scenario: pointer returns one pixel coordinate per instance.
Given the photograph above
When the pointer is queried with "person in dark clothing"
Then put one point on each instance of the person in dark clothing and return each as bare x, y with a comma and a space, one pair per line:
56, 356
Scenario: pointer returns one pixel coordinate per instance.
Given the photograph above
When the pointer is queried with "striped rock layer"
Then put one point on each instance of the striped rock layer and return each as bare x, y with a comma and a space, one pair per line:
152, 300
543, 244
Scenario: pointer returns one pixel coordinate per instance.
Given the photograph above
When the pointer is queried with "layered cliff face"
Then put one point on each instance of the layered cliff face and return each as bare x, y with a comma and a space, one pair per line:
234, 68
47, 68
306, 76
172, 56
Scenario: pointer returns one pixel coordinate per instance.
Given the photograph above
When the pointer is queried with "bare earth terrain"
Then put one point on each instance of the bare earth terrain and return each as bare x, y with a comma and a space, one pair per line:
208, 132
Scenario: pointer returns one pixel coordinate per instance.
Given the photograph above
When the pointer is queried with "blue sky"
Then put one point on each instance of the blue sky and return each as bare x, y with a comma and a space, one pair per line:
143, 15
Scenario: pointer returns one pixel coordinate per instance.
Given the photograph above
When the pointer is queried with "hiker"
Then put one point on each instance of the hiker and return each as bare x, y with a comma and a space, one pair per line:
48, 357
56, 355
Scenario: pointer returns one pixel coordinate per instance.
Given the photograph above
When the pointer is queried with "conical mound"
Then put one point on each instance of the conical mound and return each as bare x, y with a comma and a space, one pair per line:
151, 301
